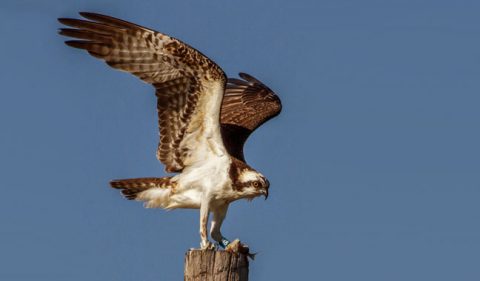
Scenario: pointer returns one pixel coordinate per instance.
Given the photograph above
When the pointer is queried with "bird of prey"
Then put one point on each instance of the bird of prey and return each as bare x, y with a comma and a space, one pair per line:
204, 119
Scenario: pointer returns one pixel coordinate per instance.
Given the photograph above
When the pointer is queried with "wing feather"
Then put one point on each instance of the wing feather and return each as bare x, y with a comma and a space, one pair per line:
247, 104
182, 76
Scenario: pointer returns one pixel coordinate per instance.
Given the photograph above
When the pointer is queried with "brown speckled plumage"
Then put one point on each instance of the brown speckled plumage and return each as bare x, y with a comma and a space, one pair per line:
181, 77
204, 119
131, 187
246, 105
177, 71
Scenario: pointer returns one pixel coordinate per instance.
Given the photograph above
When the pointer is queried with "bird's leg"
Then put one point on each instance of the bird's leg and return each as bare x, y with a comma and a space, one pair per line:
235, 246
204, 212
216, 224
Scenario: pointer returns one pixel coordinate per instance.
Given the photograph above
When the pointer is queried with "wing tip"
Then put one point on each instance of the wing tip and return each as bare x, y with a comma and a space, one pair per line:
64, 21
89, 15
249, 78
67, 31
115, 184
79, 44
244, 75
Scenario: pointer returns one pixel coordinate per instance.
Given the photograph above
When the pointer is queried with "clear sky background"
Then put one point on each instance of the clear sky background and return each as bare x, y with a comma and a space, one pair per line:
374, 162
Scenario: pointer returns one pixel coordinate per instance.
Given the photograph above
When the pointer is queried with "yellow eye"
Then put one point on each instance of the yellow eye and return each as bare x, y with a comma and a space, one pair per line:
255, 183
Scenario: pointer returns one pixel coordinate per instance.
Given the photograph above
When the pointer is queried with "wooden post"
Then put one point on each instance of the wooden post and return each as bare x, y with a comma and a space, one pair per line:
209, 265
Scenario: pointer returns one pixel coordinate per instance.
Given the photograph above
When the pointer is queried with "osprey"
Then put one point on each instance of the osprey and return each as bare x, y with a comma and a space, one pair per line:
204, 119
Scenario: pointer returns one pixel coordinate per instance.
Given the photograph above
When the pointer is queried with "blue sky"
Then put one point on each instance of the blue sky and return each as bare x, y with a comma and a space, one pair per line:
374, 162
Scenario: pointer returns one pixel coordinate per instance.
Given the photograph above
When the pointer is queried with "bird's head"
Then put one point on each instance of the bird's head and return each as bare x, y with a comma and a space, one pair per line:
252, 184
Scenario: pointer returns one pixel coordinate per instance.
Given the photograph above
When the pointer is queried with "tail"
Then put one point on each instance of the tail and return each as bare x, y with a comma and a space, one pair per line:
154, 191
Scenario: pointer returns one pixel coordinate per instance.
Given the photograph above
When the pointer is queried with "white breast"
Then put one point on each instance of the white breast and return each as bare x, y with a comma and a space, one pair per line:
204, 180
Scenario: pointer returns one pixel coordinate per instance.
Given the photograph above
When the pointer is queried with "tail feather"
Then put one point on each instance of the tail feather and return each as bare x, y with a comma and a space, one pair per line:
132, 188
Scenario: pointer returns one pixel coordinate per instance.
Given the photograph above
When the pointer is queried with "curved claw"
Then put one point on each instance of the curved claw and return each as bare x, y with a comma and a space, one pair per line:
208, 246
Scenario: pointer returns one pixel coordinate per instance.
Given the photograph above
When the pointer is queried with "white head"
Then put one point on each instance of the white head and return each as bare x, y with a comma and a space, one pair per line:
251, 184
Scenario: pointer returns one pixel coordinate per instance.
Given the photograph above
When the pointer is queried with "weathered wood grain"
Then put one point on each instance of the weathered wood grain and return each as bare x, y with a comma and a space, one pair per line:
209, 265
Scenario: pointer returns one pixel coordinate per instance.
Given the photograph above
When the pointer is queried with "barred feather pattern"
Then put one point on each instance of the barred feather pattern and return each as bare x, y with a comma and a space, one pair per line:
132, 187
176, 100
178, 72
246, 105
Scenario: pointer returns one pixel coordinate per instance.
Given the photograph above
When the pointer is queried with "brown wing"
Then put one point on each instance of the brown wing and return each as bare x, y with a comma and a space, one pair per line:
246, 105
189, 86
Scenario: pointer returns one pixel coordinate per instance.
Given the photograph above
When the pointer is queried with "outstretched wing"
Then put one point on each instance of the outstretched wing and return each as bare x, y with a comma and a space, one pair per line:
247, 104
189, 86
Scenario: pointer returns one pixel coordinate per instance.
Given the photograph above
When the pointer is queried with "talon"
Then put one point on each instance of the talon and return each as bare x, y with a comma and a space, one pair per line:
207, 246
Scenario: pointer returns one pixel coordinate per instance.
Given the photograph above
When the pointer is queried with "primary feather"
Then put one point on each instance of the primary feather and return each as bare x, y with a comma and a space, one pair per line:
204, 120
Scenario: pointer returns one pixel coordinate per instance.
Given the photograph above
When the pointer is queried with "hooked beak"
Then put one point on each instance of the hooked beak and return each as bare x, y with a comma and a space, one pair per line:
265, 193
